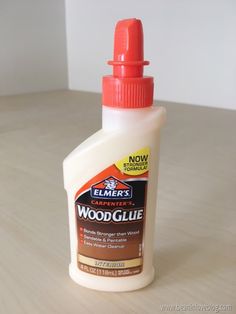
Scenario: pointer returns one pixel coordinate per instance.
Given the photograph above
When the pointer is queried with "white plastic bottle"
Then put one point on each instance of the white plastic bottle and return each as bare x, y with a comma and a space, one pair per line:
111, 178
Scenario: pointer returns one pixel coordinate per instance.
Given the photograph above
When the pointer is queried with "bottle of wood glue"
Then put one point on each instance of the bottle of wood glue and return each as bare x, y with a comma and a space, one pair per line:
111, 178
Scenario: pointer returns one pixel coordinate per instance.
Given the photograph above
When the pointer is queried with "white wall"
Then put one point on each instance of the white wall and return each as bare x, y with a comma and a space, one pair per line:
32, 46
191, 45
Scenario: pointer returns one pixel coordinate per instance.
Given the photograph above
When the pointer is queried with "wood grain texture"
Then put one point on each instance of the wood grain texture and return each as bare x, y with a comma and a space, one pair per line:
195, 254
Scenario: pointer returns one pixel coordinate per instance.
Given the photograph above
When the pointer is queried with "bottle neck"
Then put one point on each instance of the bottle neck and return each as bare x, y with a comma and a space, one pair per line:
116, 119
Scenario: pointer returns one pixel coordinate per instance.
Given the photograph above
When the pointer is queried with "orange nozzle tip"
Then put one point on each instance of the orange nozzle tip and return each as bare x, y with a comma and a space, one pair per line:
128, 45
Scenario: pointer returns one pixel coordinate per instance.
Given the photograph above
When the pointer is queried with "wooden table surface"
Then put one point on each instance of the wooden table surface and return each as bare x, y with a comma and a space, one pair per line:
195, 251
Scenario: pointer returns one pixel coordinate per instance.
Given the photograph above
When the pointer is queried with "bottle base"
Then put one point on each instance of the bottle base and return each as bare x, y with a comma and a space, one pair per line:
121, 284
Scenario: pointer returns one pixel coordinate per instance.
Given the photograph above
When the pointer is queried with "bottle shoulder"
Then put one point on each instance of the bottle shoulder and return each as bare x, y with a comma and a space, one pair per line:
149, 118
85, 145
105, 147
89, 147
154, 120
82, 158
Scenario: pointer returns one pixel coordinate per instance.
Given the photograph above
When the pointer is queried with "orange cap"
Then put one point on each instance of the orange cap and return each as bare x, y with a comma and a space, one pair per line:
127, 87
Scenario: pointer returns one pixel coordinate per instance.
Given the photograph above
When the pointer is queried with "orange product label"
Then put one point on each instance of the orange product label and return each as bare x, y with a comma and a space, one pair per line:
110, 215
